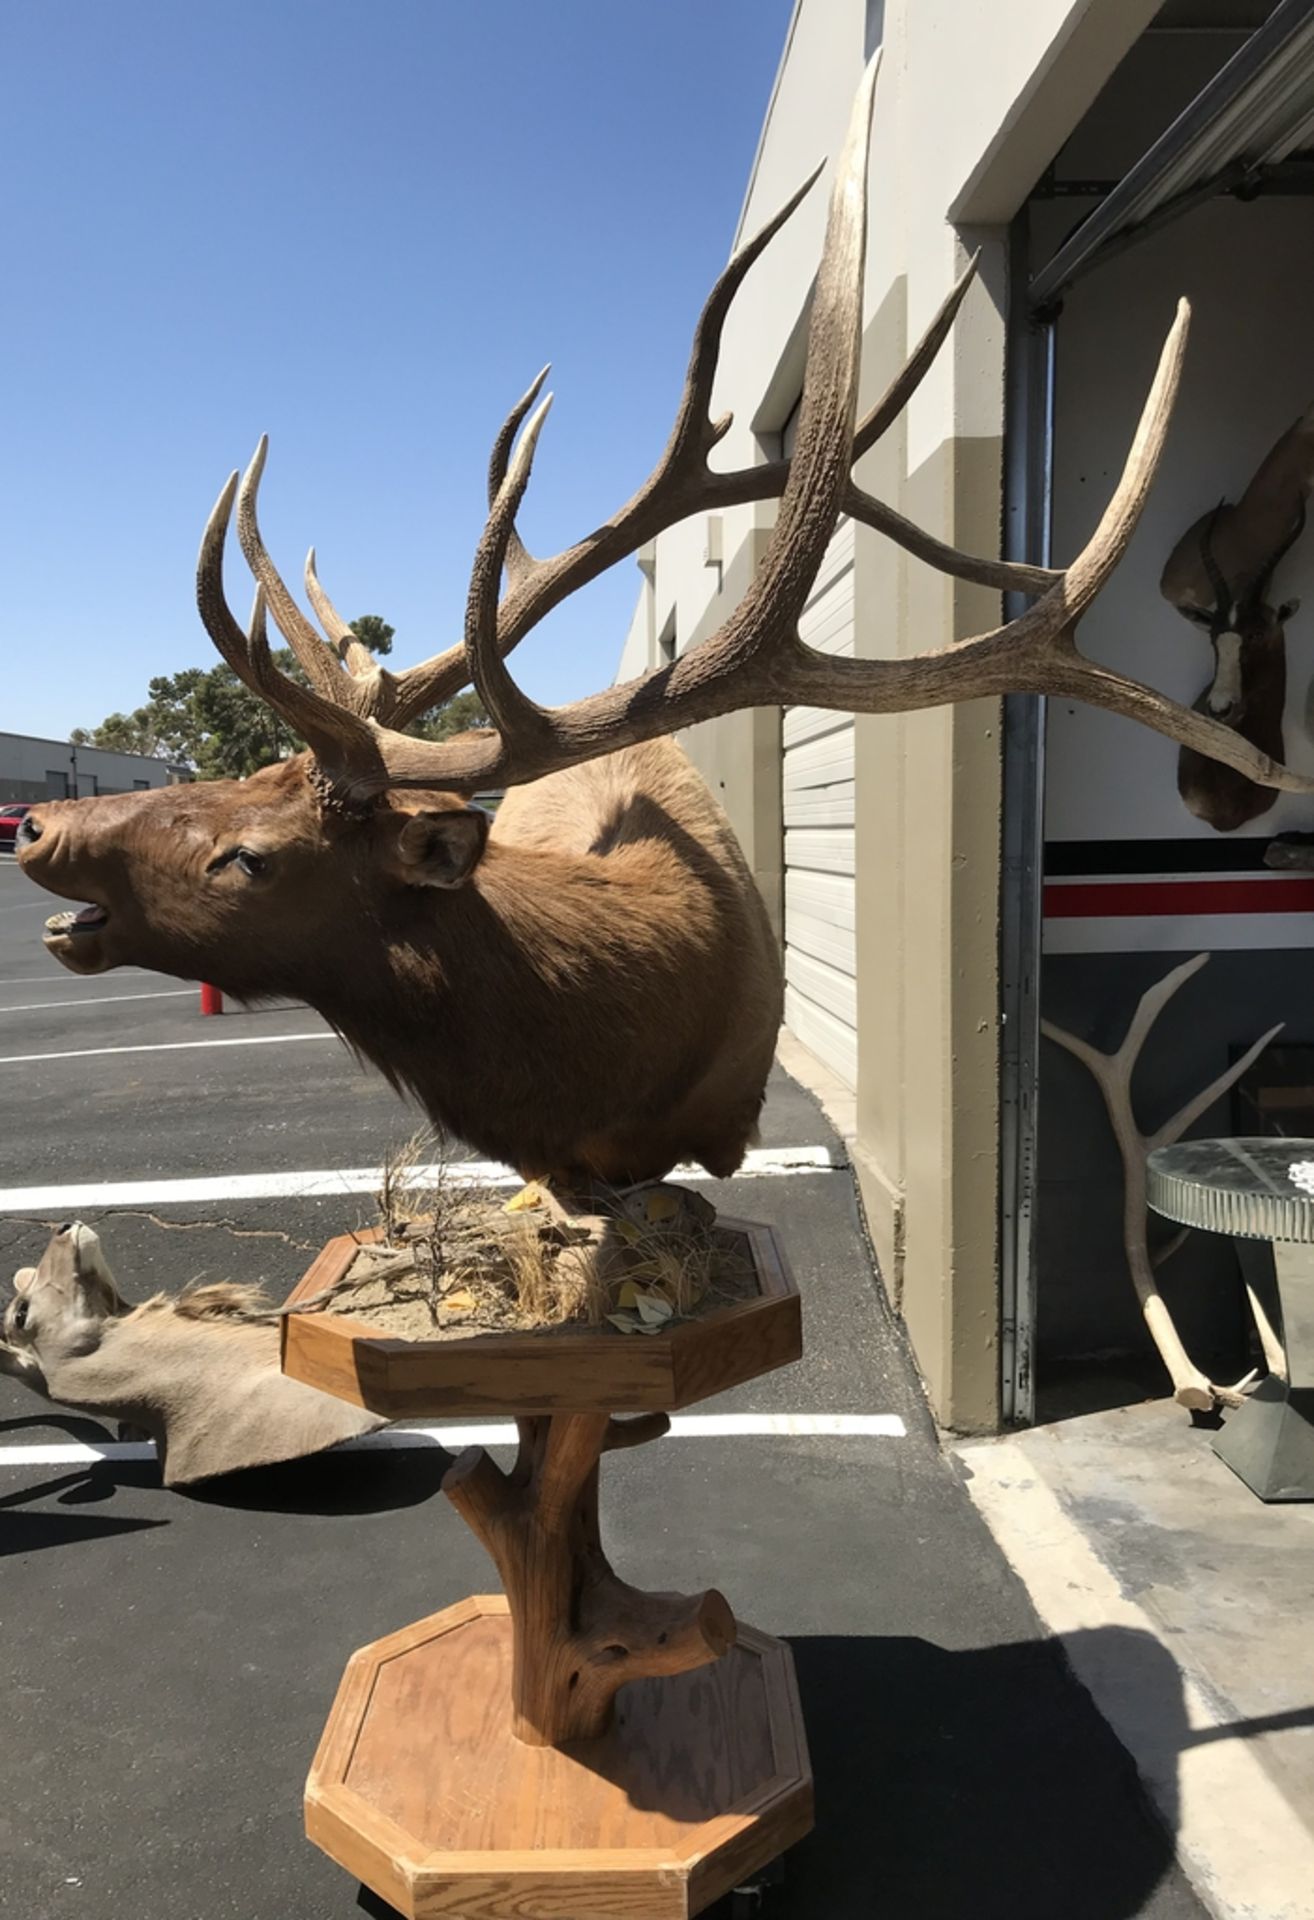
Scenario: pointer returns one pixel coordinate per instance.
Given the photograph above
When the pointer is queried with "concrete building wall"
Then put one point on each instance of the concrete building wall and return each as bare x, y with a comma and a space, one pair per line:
33, 769
972, 104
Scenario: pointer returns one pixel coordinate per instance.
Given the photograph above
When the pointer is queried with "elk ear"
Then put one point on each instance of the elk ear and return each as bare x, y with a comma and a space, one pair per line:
23, 1279
440, 849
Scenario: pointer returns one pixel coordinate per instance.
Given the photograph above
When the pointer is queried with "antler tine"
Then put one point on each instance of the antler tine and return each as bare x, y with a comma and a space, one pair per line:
1005, 576
317, 658
355, 655
823, 449
512, 712
915, 368
518, 559
336, 737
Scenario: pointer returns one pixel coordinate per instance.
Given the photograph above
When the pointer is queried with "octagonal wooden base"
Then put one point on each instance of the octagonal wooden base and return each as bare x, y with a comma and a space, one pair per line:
420, 1789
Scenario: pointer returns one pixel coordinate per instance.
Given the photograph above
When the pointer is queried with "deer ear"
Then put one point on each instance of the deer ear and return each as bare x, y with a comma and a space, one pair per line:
23, 1279
440, 849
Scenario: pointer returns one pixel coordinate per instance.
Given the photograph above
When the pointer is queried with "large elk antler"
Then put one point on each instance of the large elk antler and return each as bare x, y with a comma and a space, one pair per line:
352, 713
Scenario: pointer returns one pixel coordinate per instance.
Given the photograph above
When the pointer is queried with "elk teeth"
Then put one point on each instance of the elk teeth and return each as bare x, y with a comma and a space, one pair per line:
79, 919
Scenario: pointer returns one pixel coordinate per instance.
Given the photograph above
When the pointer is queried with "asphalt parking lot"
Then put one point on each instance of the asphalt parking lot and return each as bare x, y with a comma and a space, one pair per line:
169, 1658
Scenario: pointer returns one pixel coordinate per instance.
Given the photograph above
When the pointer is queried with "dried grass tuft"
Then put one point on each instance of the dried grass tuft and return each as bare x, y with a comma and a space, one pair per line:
454, 1259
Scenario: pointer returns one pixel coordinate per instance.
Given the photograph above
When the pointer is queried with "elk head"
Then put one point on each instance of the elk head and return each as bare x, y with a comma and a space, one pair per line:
1218, 577
306, 877
254, 884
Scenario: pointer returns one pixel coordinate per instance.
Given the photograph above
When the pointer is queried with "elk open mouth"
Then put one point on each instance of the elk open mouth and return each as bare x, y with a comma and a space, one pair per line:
72, 936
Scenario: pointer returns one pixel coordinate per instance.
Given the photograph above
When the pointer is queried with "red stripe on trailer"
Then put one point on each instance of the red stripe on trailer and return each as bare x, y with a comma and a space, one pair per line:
1125, 899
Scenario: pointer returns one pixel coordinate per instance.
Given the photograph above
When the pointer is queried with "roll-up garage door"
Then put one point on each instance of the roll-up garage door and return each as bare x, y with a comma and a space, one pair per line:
820, 959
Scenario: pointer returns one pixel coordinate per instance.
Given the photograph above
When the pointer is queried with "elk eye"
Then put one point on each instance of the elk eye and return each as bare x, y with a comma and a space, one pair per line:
250, 863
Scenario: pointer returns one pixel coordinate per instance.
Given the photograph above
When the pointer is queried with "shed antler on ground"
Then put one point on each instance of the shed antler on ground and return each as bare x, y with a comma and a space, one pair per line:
1112, 1073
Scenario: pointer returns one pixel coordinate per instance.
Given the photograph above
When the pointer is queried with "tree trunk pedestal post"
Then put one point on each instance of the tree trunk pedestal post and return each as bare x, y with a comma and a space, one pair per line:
573, 1747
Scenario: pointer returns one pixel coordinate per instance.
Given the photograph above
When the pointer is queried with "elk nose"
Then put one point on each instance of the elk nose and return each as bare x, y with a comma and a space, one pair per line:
29, 831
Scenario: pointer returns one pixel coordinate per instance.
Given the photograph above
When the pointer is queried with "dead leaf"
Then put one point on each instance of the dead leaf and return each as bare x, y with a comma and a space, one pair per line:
529, 1197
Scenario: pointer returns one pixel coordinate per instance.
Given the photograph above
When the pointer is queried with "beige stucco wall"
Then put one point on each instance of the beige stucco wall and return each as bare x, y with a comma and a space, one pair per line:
971, 105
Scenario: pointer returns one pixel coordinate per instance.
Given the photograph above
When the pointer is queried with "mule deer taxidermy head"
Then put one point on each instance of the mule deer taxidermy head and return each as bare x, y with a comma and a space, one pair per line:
1218, 577
199, 1373
593, 984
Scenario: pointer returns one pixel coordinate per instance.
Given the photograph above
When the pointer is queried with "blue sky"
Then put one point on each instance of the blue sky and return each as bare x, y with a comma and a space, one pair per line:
361, 228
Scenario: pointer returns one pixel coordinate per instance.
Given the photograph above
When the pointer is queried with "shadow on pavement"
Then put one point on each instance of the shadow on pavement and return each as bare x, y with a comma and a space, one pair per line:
332, 1483
977, 1785
382, 1481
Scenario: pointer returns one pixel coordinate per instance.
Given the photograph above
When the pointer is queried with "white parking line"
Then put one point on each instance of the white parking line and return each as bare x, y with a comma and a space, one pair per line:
51, 975
101, 1000
162, 1046
696, 1426
762, 1162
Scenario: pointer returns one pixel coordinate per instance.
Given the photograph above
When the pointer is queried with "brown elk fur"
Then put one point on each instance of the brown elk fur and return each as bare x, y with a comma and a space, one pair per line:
594, 991
199, 1373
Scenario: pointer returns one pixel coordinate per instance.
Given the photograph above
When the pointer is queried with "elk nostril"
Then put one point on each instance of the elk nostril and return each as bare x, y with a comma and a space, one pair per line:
29, 831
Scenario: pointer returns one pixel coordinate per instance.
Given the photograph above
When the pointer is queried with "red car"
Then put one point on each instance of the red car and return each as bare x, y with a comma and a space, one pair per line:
11, 817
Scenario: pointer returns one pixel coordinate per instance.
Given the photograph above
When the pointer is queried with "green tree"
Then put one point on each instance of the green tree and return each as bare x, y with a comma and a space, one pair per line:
374, 631
238, 733
457, 715
205, 718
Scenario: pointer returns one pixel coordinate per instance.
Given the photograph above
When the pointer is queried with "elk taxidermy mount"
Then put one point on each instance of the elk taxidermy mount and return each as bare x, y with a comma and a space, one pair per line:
590, 987
1218, 577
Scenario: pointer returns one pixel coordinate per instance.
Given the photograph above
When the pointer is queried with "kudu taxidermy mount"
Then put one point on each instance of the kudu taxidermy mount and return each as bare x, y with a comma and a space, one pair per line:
591, 986
1218, 577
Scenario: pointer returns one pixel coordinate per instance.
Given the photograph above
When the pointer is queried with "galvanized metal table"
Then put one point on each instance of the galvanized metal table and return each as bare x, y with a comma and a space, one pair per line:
1251, 1189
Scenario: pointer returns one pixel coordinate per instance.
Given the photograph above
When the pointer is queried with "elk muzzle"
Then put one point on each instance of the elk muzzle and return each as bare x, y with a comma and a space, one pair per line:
66, 846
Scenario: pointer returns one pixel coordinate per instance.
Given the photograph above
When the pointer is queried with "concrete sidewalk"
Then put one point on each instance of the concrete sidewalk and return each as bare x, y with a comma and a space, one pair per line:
1127, 1523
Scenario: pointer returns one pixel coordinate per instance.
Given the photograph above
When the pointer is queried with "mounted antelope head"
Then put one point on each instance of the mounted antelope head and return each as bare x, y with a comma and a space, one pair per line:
200, 1373
591, 986
1218, 577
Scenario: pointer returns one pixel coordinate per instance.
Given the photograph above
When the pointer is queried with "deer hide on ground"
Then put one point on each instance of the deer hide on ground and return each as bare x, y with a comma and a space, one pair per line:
199, 1373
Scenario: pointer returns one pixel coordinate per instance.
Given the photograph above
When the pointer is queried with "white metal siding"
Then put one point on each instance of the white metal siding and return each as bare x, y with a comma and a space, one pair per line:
820, 958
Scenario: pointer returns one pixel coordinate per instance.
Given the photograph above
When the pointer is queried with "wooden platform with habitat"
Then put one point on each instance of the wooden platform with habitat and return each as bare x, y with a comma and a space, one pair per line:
572, 1746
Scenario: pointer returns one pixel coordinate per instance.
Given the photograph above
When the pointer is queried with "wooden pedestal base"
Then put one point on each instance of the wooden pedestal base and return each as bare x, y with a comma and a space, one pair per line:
421, 1789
